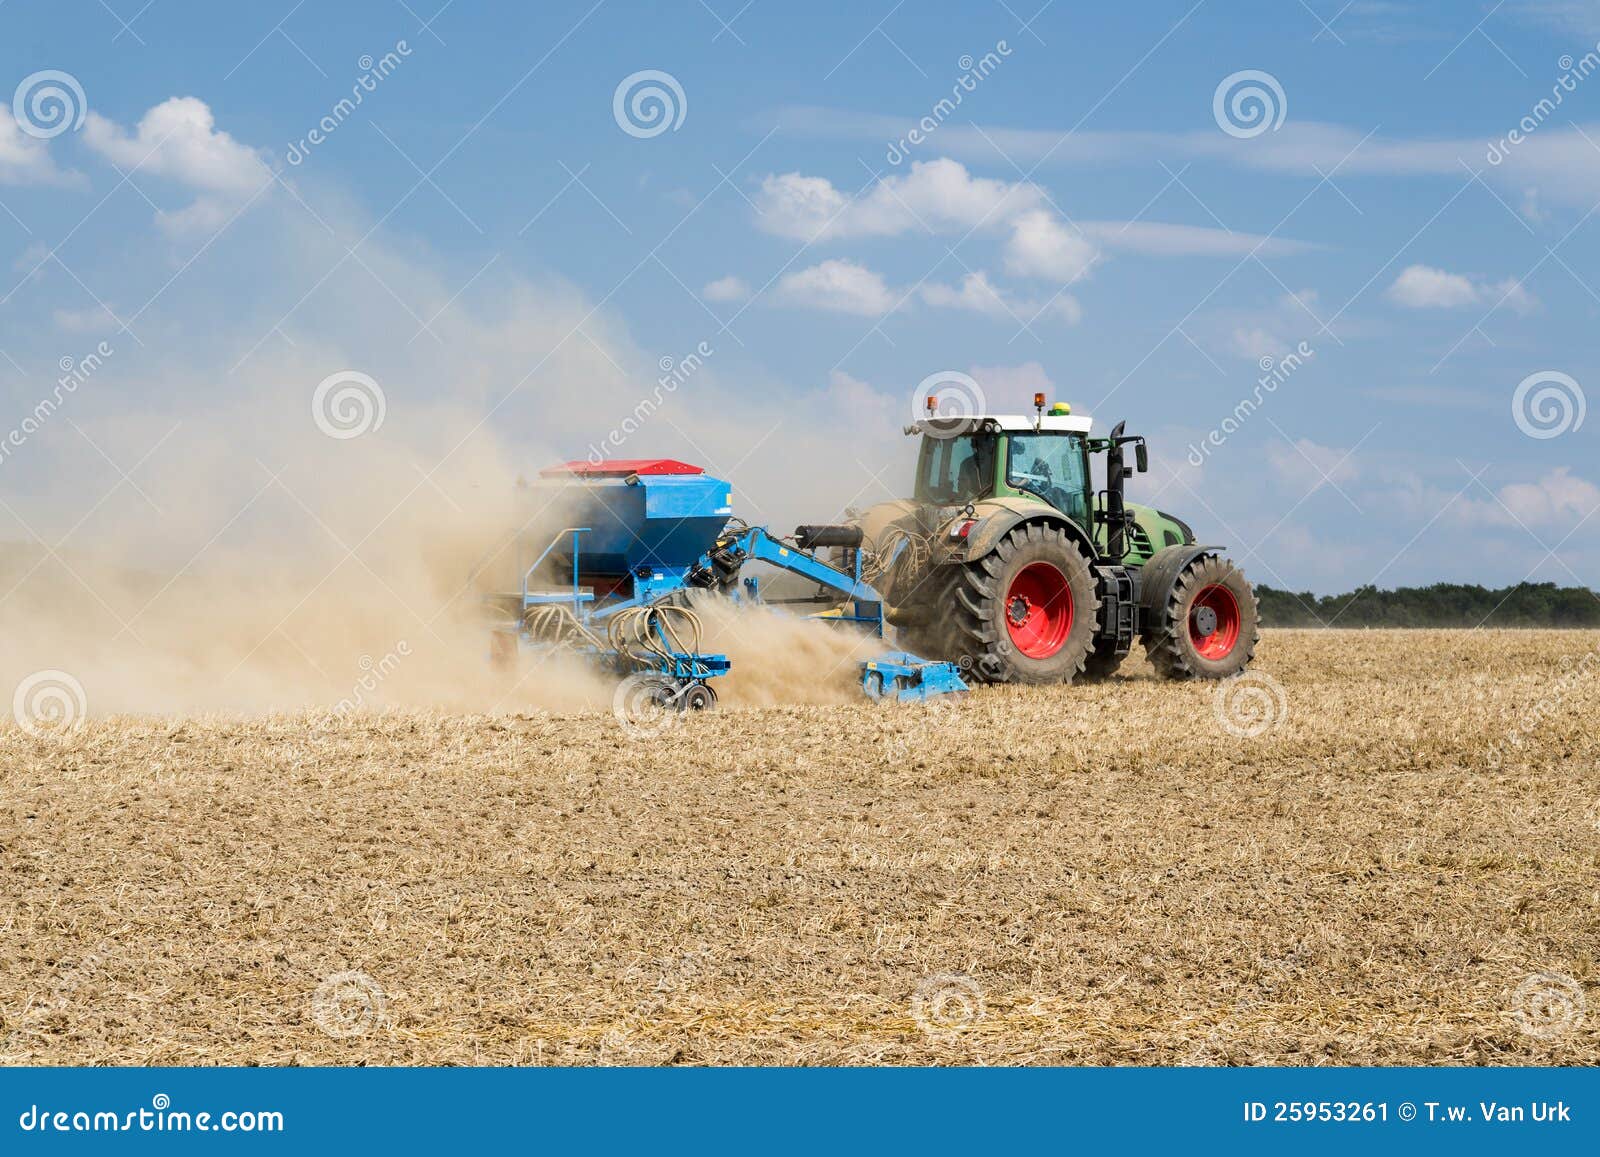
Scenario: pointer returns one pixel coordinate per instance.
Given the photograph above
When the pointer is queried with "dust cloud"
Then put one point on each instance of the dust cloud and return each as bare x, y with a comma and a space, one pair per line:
258, 566
185, 532
351, 581
782, 658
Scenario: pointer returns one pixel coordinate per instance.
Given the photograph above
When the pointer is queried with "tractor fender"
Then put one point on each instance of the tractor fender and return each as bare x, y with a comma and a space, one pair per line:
999, 517
1157, 575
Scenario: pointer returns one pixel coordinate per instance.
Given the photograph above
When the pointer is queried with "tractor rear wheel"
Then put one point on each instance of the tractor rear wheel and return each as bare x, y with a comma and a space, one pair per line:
1025, 612
1102, 662
1208, 625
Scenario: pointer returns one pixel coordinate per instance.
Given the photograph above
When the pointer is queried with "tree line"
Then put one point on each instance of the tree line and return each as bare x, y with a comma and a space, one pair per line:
1439, 605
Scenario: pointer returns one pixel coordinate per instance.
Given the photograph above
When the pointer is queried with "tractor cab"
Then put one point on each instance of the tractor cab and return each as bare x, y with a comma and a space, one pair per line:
969, 460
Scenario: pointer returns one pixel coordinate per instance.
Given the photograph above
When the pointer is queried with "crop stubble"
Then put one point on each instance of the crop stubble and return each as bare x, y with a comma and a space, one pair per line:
1122, 880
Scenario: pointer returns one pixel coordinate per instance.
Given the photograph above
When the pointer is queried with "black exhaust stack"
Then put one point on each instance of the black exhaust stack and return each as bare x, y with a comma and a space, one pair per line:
1116, 510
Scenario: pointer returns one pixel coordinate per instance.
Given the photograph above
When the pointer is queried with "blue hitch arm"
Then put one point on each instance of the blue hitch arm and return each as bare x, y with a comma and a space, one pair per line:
758, 545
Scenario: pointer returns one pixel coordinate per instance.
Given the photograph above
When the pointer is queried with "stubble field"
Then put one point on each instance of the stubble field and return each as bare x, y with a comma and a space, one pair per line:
1402, 868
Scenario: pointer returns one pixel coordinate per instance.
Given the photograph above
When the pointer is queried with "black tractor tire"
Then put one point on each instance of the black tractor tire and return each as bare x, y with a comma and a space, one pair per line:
1025, 612
1102, 662
1208, 623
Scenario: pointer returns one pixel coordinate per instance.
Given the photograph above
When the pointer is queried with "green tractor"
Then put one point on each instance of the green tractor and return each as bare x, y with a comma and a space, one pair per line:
1007, 561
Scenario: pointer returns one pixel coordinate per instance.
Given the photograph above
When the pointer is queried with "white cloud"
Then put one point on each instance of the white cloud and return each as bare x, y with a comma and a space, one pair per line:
839, 286
1042, 246
975, 293
728, 288
1271, 331
1530, 207
938, 196
1255, 342
1424, 287
32, 260
849, 287
178, 139
1162, 239
793, 205
859, 406
1558, 160
1306, 463
1580, 16
941, 197
26, 160
1513, 294
95, 319
978, 295
1557, 499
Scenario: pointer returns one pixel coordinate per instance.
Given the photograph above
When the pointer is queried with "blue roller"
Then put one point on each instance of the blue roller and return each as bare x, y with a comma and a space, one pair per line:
909, 678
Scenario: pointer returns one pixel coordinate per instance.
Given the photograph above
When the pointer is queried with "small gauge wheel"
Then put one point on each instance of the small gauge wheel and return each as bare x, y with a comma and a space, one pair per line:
698, 697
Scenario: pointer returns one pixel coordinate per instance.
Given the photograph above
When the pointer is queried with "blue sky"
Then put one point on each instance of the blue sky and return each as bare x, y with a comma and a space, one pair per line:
483, 237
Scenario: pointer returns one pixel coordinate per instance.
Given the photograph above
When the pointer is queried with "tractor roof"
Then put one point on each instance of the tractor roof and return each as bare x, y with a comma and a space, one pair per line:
1027, 422
1021, 423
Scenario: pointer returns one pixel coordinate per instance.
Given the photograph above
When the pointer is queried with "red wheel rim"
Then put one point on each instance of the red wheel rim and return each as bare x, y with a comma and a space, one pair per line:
1038, 610
1220, 601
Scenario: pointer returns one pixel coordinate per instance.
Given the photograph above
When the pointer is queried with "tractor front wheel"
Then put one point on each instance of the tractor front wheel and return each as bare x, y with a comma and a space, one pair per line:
1026, 612
1207, 626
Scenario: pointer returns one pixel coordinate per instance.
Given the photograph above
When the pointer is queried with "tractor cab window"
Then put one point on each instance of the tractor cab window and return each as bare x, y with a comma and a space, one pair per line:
1051, 467
955, 470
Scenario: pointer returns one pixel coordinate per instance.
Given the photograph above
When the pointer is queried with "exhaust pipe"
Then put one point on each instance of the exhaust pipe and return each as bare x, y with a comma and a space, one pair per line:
1116, 509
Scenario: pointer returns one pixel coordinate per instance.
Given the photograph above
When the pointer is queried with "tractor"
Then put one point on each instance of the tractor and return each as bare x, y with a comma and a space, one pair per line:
1007, 561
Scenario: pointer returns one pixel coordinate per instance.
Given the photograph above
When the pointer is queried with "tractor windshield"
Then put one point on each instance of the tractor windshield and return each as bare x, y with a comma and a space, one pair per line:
955, 470
1051, 467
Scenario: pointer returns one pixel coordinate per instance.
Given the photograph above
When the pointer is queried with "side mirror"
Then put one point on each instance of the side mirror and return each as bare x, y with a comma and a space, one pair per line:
1141, 457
